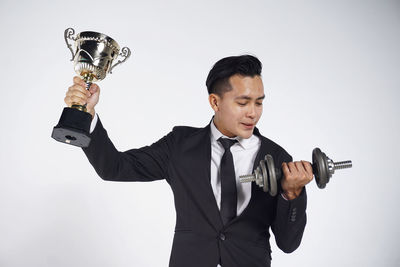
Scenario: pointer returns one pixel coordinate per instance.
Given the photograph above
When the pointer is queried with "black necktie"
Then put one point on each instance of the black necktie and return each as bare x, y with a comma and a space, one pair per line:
228, 182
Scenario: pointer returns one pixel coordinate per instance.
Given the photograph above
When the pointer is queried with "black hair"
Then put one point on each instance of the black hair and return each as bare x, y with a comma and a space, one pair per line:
218, 78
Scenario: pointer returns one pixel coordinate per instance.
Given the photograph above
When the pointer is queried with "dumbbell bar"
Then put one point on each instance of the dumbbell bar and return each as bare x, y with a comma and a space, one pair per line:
267, 176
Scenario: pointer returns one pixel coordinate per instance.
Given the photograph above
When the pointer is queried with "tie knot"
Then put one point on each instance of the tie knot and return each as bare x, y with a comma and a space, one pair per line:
227, 143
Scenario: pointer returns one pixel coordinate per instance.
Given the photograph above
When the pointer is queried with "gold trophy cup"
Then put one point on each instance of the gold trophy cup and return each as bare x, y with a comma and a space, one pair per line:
93, 59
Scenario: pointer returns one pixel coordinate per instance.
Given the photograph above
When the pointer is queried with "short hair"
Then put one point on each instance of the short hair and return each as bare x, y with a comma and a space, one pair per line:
218, 78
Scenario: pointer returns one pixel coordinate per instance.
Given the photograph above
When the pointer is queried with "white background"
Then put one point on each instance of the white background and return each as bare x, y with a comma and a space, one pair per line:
331, 75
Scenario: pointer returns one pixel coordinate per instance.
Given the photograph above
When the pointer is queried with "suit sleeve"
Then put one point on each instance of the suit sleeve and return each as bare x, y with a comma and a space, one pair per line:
148, 163
290, 218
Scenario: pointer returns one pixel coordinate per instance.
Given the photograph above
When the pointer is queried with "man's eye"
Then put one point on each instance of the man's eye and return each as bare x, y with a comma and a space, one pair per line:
241, 104
259, 104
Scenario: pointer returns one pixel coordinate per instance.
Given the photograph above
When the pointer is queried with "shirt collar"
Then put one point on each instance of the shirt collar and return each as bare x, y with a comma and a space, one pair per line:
216, 134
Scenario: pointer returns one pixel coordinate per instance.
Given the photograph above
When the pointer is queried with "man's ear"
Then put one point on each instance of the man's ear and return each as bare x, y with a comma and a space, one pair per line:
214, 100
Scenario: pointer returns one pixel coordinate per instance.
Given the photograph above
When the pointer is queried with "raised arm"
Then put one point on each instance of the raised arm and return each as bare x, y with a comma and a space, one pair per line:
148, 163
144, 164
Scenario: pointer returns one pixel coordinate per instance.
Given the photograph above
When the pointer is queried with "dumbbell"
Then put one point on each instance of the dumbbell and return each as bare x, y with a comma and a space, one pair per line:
267, 175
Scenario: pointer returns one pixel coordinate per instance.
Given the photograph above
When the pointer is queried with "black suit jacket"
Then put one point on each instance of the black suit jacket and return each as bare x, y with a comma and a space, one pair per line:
183, 159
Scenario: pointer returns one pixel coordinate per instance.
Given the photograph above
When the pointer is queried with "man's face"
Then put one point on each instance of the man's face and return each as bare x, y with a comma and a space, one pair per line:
238, 110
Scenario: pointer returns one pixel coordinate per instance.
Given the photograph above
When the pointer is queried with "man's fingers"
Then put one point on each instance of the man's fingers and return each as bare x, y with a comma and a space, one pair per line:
298, 169
80, 88
77, 93
94, 88
308, 167
299, 166
292, 167
285, 168
69, 100
78, 80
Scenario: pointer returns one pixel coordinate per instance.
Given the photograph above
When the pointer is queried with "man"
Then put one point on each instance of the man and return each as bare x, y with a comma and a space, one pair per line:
220, 222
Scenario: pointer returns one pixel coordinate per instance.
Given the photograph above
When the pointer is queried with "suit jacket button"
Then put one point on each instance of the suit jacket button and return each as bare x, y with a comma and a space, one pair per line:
222, 236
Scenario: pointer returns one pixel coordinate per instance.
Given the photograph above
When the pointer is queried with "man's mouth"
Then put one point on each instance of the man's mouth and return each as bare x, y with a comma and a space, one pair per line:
248, 125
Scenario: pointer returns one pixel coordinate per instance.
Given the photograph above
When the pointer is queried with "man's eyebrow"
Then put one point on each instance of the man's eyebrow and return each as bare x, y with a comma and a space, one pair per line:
249, 98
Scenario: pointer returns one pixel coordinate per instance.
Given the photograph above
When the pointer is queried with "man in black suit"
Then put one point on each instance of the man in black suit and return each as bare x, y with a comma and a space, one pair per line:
220, 222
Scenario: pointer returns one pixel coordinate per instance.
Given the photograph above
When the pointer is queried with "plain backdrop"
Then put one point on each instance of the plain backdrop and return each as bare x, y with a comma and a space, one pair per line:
331, 75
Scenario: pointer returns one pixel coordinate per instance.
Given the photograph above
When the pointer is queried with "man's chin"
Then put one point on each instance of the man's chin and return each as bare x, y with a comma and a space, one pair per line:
246, 134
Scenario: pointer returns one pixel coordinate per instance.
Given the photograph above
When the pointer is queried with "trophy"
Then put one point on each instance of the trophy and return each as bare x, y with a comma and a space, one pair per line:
93, 59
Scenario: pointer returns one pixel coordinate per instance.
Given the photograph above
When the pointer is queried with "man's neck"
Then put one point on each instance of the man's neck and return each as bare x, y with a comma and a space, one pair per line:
221, 130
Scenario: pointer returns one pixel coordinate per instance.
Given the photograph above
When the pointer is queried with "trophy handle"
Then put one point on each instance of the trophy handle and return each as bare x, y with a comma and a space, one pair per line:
125, 53
68, 35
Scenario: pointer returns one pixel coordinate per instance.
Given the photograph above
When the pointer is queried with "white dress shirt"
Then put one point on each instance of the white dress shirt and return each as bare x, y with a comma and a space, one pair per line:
93, 124
244, 153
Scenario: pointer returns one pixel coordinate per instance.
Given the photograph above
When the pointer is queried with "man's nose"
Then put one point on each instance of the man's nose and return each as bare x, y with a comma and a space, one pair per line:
251, 111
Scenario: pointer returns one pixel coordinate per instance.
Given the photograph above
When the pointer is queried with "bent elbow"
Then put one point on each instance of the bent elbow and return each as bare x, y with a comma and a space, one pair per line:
105, 178
111, 170
288, 247
291, 240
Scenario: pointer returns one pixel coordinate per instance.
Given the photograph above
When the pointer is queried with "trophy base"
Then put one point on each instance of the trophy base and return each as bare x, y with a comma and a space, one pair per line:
73, 128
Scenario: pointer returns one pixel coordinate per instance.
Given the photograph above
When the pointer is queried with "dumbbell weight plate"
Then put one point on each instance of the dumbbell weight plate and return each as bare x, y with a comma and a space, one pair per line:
259, 179
320, 167
264, 175
272, 178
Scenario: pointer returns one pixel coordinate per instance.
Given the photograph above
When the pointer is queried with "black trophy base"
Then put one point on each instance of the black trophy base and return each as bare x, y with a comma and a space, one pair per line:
73, 128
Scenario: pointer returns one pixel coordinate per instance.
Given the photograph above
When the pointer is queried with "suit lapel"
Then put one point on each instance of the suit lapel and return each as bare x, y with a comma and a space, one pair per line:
200, 159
